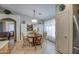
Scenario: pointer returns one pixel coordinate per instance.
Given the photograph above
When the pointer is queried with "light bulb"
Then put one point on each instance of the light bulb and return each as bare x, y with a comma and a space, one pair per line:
34, 21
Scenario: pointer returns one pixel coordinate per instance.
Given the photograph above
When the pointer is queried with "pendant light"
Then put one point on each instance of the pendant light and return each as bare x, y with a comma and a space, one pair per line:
34, 20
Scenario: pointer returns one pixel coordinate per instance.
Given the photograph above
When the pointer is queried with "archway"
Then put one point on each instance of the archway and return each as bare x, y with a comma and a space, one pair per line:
9, 25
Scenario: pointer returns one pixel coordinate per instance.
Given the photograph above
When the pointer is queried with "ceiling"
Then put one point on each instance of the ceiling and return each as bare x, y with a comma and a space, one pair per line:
43, 11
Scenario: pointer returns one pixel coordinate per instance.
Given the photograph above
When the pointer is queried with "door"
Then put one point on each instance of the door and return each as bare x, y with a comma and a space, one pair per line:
62, 32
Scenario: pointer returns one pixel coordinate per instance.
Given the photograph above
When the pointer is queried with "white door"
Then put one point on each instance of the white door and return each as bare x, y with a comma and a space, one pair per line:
62, 32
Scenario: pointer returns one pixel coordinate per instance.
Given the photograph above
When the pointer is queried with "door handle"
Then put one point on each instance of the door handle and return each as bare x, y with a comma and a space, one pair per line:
65, 37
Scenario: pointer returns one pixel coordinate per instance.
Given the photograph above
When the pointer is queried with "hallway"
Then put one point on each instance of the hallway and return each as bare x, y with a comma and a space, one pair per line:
47, 48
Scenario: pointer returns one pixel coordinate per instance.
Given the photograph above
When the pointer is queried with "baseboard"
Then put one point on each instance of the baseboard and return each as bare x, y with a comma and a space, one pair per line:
51, 41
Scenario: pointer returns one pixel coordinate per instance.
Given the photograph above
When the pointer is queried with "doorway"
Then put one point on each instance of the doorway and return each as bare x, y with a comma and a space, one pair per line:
9, 25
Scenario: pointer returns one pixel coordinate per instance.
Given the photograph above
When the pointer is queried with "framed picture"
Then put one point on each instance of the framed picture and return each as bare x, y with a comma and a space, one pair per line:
29, 27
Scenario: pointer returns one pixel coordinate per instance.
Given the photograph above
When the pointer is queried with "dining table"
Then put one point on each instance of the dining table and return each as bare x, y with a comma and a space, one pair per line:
34, 37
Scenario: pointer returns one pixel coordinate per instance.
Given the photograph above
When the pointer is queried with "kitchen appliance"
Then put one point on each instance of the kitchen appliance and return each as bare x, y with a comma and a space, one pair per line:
76, 34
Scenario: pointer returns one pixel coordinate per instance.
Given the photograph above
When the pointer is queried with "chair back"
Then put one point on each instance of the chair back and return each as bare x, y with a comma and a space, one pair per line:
30, 39
39, 40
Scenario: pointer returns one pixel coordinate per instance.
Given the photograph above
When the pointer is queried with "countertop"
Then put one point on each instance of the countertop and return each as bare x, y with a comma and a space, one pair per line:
3, 43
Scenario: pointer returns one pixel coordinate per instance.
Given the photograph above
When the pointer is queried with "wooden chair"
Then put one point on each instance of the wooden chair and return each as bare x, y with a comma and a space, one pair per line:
39, 41
30, 41
25, 41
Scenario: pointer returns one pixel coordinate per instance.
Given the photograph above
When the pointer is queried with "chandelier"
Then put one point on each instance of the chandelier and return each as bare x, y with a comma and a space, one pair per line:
34, 20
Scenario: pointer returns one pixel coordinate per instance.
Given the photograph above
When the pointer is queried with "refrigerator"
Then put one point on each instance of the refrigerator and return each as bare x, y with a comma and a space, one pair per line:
76, 34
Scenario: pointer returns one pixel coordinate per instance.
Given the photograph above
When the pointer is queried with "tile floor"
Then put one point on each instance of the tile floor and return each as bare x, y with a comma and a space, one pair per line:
47, 48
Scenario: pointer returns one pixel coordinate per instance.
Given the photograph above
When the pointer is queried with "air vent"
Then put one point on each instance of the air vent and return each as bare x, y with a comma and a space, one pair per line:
7, 11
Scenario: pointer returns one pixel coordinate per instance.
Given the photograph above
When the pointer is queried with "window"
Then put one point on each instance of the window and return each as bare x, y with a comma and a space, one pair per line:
10, 27
49, 27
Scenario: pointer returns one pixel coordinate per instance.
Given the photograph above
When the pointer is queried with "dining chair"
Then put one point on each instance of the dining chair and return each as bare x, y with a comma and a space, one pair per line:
30, 41
39, 41
25, 40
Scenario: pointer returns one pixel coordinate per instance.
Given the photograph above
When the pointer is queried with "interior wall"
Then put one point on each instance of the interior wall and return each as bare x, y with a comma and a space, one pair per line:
39, 27
17, 19
75, 9
28, 21
4, 27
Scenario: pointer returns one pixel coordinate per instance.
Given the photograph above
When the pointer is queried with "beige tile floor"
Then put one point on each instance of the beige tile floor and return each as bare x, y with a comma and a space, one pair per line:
47, 48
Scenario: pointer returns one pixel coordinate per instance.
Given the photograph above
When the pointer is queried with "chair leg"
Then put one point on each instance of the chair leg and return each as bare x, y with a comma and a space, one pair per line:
23, 45
29, 44
35, 46
41, 45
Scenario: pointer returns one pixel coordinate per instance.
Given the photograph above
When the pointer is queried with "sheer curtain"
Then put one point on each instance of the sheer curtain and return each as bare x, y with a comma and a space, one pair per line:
49, 27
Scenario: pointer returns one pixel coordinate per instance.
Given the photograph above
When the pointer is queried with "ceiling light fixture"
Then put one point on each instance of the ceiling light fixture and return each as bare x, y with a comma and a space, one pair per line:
34, 20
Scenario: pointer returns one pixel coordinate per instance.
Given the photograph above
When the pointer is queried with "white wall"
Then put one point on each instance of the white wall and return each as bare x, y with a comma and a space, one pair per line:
28, 21
17, 19
40, 27
24, 26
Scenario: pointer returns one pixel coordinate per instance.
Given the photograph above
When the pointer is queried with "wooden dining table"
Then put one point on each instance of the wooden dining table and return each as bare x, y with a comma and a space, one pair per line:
34, 37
